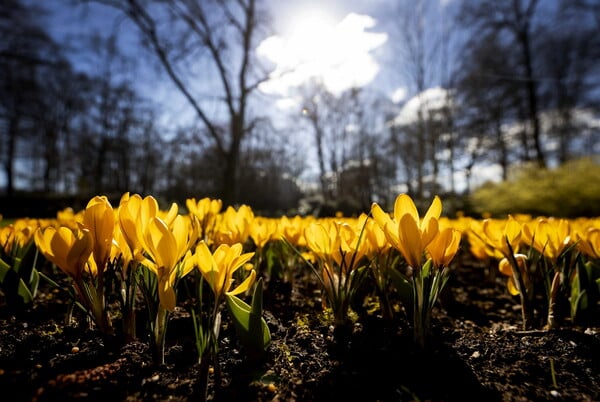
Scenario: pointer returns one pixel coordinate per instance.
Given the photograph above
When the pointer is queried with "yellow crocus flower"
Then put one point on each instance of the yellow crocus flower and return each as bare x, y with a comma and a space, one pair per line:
167, 247
376, 242
204, 207
335, 242
499, 235
292, 230
351, 249
67, 217
477, 246
506, 268
99, 219
405, 230
66, 248
321, 242
71, 251
16, 235
548, 236
444, 247
120, 249
234, 225
218, 268
589, 244
135, 214
262, 230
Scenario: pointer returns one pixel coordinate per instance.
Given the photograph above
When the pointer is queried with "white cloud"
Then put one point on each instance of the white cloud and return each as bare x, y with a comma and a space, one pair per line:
483, 173
399, 94
287, 103
338, 55
430, 99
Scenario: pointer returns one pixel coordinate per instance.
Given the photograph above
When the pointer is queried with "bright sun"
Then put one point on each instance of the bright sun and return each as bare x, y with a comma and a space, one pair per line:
315, 46
310, 38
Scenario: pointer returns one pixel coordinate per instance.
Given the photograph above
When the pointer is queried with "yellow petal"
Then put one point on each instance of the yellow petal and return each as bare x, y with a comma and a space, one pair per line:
512, 288
79, 251
505, 267
404, 205
433, 212
409, 240
386, 224
512, 233
161, 244
166, 295
99, 218
244, 285
429, 231
444, 246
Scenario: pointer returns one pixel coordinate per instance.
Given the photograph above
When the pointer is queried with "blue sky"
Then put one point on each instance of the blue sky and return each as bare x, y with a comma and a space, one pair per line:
68, 22
346, 43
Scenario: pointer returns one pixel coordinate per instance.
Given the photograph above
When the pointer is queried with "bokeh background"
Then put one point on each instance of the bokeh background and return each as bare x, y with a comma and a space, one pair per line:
302, 107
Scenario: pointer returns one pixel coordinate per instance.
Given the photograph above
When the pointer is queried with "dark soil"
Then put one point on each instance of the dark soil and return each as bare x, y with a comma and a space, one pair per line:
476, 352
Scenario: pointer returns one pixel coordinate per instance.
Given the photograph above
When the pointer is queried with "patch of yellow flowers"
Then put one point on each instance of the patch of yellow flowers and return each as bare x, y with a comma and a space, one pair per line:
404, 253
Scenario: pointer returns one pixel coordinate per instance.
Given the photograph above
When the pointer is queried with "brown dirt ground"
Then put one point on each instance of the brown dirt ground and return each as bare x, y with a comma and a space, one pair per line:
476, 352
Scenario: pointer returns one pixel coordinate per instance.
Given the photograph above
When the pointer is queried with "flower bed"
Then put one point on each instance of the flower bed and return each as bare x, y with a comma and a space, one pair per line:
298, 348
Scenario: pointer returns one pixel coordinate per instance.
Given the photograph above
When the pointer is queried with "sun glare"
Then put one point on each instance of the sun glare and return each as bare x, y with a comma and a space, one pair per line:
315, 46
310, 38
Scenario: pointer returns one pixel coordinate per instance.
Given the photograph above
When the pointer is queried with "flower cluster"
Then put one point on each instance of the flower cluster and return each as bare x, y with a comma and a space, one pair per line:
208, 259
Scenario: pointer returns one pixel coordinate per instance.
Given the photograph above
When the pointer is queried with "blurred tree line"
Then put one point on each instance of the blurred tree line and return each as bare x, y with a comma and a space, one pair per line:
504, 83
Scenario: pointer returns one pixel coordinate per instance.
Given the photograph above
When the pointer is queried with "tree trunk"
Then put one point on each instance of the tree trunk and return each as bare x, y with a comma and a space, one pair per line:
230, 174
533, 107
13, 132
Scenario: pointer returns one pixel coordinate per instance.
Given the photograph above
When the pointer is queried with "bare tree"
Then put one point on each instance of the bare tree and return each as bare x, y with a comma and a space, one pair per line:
422, 61
515, 18
345, 128
319, 110
569, 62
528, 70
58, 106
182, 33
489, 102
25, 50
412, 42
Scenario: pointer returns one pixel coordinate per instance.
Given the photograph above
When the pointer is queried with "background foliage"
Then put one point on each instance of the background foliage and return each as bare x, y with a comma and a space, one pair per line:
571, 190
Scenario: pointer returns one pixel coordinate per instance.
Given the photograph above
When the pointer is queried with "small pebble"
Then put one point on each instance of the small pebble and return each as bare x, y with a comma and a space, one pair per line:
475, 354
75, 349
271, 387
155, 377
555, 393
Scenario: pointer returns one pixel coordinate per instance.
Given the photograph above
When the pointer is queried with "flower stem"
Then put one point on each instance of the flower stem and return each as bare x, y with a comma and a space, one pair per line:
160, 332
551, 320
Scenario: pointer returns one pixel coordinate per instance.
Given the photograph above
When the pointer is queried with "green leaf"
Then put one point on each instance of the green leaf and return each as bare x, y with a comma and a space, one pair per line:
25, 293
27, 262
34, 282
251, 327
4, 268
13, 285
404, 288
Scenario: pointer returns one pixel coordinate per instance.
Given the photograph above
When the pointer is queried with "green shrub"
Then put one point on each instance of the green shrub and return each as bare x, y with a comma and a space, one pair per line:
571, 190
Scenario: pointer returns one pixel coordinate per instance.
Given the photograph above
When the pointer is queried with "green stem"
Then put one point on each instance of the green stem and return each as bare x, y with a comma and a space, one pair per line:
129, 316
203, 380
526, 304
551, 320
160, 332
421, 311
